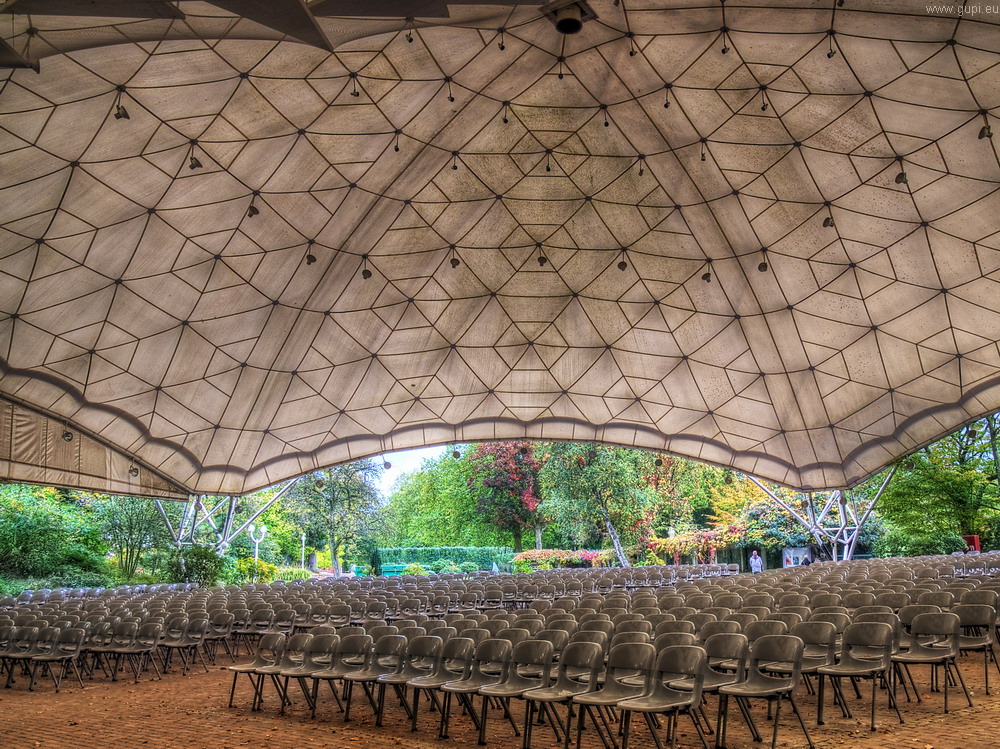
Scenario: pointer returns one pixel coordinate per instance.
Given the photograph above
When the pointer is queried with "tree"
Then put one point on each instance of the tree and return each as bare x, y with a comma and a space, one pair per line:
948, 487
587, 486
504, 478
339, 504
433, 507
131, 525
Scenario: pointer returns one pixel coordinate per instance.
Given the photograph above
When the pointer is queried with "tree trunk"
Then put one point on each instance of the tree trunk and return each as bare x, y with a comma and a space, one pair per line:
311, 562
538, 535
518, 544
613, 535
993, 447
335, 557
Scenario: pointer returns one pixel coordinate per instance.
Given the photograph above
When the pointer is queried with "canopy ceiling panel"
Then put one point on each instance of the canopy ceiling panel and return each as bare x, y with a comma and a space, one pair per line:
763, 234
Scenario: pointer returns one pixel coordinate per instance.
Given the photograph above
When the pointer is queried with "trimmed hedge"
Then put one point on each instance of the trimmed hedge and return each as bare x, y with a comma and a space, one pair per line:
482, 556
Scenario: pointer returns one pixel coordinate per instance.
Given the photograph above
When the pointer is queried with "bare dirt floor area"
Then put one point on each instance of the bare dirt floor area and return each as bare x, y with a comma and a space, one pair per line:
191, 711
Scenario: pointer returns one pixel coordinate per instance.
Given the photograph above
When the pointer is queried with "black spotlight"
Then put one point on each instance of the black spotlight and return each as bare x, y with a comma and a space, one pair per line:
455, 262
762, 266
133, 471
121, 113
706, 277
658, 462
456, 454
320, 484
387, 465
310, 259
67, 435
622, 265
366, 274
569, 19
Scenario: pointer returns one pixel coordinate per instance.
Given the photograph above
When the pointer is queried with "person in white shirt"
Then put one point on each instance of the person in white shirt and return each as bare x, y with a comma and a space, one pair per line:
756, 563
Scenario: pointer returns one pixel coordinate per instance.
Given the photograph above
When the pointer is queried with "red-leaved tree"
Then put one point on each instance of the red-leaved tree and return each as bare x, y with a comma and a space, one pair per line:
505, 481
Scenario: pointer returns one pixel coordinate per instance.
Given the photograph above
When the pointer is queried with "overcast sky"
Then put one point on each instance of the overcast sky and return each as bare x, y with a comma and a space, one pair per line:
406, 461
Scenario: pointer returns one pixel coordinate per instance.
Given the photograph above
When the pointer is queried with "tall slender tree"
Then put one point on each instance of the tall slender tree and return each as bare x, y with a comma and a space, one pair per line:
587, 485
339, 504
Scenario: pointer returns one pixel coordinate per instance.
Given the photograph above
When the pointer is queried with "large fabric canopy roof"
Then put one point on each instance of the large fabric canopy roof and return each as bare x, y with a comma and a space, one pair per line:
241, 240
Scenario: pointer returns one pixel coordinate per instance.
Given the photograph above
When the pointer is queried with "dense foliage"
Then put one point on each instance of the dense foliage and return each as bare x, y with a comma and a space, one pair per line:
466, 508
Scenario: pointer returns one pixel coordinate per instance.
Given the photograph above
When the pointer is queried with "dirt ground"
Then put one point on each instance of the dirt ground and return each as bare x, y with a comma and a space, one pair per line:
191, 711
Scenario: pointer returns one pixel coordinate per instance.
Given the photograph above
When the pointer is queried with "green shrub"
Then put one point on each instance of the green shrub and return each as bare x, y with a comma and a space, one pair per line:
897, 543
468, 567
292, 573
196, 564
482, 556
248, 570
440, 566
414, 569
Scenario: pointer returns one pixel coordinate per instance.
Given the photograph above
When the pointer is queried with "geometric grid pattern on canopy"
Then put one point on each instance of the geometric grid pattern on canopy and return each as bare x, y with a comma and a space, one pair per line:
760, 234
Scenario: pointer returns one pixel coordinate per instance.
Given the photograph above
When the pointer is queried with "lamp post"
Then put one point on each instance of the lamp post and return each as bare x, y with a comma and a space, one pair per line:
252, 531
303, 549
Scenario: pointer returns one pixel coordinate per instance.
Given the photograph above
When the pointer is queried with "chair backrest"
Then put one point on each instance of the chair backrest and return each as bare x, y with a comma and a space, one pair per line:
687, 662
669, 639
838, 620
638, 625
766, 649
588, 655
726, 646
756, 630
676, 626
975, 614
979, 596
867, 635
713, 628
908, 613
270, 649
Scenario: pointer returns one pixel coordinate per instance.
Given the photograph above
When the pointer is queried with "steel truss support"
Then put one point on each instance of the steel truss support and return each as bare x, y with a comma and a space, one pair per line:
198, 524
836, 524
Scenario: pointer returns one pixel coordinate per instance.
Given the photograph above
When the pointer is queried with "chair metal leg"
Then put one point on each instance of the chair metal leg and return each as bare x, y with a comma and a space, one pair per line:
483, 717
777, 718
961, 681
802, 723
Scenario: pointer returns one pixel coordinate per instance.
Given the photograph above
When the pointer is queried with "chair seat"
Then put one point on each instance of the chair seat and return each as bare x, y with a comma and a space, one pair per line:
969, 642
365, 674
338, 672
843, 669
745, 689
468, 686
655, 703
430, 682
921, 656
602, 698
555, 694
505, 690
713, 681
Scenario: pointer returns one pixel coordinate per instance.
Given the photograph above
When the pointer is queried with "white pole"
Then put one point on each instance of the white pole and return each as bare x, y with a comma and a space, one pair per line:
303, 550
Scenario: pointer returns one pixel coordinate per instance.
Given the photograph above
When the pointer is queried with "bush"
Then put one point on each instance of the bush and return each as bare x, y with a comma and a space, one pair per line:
897, 543
468, 567
414, 569
248, 570
292, 573
482, 556
438, 565
548, 559
62, 578
196, 564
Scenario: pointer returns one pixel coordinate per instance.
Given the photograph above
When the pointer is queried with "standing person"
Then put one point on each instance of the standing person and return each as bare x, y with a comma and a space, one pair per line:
756, 563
